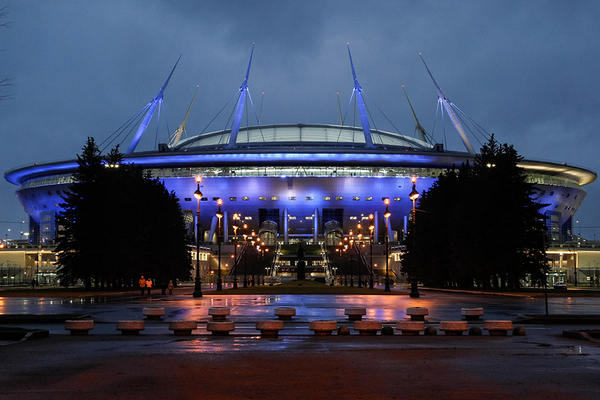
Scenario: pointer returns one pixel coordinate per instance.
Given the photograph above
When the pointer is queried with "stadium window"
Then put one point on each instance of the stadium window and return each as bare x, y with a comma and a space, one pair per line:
352, 218
275, 198
58, 192
326, 198
245, 198
397, 198
339, 198
308, 217
188, 199
292, 198
368, 198
291, 217
204, 199
309, 198
385, 198
216, 198
248, 218
233, 199
356, 198
262, 198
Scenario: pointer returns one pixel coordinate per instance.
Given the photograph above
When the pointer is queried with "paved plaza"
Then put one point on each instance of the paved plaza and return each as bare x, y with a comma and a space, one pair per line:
297, 365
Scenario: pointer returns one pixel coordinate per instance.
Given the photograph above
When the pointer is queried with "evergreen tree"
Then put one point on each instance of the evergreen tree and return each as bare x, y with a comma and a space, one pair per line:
478, 225
118, 223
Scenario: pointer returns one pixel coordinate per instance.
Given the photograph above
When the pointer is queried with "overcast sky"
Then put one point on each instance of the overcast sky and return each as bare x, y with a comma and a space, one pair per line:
524, 70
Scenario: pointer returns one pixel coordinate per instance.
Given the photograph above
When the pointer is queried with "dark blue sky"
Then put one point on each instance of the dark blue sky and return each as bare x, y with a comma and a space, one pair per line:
526, 71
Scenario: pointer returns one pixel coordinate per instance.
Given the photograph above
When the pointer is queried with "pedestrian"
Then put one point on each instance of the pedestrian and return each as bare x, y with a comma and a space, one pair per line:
33, 283
170, 287
149, 285
142, 285
163, 287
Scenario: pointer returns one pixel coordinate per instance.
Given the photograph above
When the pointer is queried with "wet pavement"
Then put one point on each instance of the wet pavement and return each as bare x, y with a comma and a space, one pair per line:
298, 364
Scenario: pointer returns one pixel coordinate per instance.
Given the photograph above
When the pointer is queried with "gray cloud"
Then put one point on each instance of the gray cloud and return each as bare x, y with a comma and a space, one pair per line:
523, 70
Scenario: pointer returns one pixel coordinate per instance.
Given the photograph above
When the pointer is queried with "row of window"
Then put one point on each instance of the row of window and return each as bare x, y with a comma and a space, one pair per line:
294, 198
543, 192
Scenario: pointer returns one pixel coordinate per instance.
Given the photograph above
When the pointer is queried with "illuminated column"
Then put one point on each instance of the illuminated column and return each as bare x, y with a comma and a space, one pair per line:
225, 228
316, 226
286, 238
376, 223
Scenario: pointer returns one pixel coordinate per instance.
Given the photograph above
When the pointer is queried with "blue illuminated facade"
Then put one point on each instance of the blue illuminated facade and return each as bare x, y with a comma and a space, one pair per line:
288, 186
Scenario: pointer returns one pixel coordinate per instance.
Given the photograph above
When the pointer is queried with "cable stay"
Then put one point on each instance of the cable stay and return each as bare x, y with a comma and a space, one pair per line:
448, 106
340, 109
131, 122
181, 130
463, 119
364, 119
237, 112
262, 98
358, 95
158, 99
423, 135
243, 90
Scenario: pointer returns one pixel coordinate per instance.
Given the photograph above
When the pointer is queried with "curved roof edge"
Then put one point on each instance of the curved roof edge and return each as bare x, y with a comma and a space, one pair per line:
234, 157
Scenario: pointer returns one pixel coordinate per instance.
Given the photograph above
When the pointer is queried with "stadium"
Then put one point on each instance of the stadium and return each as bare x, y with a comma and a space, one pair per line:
299, 183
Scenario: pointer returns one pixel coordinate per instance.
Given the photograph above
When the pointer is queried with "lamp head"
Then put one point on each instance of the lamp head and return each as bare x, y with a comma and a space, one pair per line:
198, 194
413, 179
414, 194
198, 178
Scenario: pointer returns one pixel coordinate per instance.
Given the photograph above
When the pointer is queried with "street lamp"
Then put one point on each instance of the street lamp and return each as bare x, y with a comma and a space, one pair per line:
414, 195
235, 240
253, 240
351, 262
371, 228
359, 227
219, 216
345, 267
387, 215
245, 255
197, 281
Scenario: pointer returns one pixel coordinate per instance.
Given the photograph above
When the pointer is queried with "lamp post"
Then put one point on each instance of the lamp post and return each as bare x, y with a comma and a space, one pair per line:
253, 241
197, 281
235, 228
219, 216
371, 228
387, 215
265, 249
414, 195
345, 268
359, 226
245, 256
